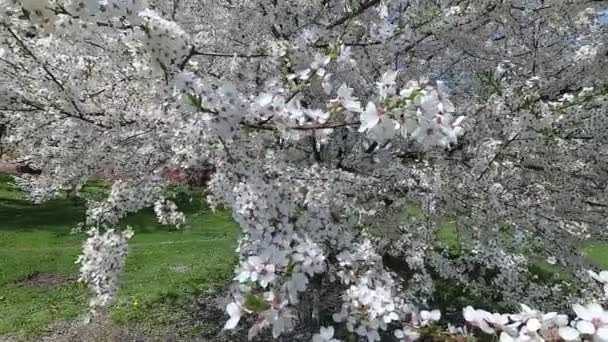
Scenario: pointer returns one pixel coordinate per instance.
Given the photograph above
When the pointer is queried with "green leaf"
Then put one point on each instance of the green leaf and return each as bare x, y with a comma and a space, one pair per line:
290, 266
255, 303
196, 101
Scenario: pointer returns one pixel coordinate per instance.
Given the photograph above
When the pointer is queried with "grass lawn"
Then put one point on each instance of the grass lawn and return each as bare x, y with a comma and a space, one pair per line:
38, 275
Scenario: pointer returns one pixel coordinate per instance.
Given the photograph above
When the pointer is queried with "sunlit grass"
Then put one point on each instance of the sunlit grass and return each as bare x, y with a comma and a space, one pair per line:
164, 264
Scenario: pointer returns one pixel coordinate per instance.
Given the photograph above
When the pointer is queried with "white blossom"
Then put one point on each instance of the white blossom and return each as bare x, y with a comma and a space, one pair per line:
102, 260
234, 311
478, 318
345, 98
601, 277
592, 321
326, 334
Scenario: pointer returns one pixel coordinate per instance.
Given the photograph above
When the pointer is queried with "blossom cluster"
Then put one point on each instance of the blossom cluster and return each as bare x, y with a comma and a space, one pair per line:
123, 199
102, 261
167, 213
421, 112
590, 323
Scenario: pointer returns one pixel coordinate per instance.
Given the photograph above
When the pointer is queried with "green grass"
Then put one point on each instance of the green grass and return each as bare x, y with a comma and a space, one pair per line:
598, 253
164, 265
595, 251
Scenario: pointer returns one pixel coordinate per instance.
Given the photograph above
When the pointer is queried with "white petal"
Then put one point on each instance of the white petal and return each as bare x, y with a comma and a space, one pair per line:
561, 320
512, 328
500, 319
233, 310
435, 315
254, 260
485, 327
602, 333
595, 310
352, 106
326, 84
517, 317
304, 74
254, 331
325, 60
458, 132
399, 334
361, 331
389, 77
328, 332
484, 315
232, 322
533, 324
337, 317
525, 308
504, 337
585, 327
549, 316
392, 317
369, 118
468, 313
568, 333
582, 312
264, 99
594, 275
440, 107
604, 276
458, 121
242, 277
430, 104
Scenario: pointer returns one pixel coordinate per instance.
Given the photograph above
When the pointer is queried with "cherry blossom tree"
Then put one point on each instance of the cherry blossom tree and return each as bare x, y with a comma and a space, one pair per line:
327, 122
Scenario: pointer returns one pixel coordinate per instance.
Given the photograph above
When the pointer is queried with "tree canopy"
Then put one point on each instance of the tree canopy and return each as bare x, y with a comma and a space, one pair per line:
344, 134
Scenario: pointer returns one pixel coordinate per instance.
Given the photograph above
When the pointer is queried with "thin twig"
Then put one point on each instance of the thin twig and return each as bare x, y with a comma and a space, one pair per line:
496, 156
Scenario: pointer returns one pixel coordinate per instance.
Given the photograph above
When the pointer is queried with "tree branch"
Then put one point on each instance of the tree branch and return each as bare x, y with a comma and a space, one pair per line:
18, 169
228, 55
496, 156
301, 128
362, 8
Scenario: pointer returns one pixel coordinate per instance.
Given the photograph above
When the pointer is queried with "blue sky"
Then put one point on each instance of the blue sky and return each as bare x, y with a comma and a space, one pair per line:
603, 17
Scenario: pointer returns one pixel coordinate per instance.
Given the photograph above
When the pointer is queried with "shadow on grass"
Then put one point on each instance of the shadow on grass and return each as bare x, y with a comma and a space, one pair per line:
54, 215
60, 214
